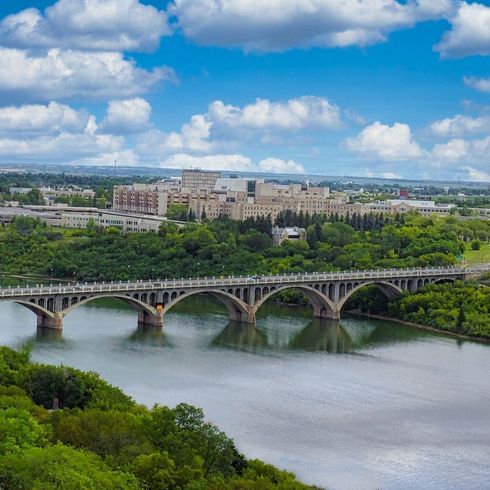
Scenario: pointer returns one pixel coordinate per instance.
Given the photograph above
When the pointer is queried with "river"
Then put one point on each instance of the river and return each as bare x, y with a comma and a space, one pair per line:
362, 404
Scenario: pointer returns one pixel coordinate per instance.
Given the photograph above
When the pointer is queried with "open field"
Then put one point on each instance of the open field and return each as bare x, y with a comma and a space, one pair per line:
477, 256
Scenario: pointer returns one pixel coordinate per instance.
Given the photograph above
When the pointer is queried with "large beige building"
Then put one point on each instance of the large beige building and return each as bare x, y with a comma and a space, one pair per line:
195, 179
208, 194
215, 196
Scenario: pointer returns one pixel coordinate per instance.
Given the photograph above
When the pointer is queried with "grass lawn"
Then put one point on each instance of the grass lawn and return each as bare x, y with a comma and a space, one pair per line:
477, 256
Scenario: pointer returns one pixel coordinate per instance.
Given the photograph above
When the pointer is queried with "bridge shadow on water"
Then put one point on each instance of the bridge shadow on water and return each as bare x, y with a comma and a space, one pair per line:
48, 336
351, 336
149, 335
317, 336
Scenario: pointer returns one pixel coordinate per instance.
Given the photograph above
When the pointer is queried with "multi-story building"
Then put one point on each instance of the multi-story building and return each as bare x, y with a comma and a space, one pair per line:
50, 194
141, 198
195, 179
249, 197
237, 198
107, 219
426, 208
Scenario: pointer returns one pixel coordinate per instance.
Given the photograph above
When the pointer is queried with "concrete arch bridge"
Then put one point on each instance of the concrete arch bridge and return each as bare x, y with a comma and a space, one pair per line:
242, 296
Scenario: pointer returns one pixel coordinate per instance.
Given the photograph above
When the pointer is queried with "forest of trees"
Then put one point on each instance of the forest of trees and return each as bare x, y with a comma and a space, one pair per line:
462, 308
97, 437
226, 247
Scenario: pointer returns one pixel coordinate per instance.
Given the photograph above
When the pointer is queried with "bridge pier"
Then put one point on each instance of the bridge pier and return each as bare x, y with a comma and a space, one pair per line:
319, 311
54, 323
242, 316
150, 320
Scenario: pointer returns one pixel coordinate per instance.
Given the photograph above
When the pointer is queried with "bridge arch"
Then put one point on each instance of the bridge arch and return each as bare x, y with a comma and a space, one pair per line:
135, 303
323, 306
390, 290
238, 310
39, 310
441, 280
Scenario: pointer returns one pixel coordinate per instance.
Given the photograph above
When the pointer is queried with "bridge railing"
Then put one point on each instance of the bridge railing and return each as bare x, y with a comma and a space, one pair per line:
182, 283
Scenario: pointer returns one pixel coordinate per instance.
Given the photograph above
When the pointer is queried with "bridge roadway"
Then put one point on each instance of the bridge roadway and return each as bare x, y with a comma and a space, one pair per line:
243, 295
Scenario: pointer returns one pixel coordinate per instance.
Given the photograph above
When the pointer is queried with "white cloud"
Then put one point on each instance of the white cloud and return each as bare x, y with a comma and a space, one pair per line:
470, 32
390, 175
125, 158
26, 120
434, 9
293, 114
391, 143
127, 116
237, 162
481, 84
54, 132
477, 175
474, 153
233, 162
279, 166
193, 136
59, 148
460, 125
277, 25
70, 74
455, 149
104, 25
224, 127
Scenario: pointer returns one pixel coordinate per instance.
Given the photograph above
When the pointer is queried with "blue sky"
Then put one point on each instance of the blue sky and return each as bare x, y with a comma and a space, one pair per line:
360, 87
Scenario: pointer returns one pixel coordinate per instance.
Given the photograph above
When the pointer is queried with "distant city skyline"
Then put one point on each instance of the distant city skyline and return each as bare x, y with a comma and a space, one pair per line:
368, 88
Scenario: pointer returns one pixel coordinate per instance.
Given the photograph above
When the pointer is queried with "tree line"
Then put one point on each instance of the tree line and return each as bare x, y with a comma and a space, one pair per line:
228, 247
65, 428
462, 308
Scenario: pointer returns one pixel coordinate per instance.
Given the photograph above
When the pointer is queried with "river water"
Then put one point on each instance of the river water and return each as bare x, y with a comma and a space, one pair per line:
362, 404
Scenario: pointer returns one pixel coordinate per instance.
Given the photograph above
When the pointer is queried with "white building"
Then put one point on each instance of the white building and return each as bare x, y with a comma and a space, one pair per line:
292, 233
107, 219
50, 194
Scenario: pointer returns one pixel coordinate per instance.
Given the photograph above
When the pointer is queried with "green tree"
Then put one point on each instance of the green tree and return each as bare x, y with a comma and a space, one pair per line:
177, 212
476, 245
33, 197
56, 467
47, 383
18, 430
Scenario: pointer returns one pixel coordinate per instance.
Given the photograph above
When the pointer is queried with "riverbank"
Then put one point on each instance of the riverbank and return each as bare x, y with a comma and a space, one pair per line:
419, 326
100, 437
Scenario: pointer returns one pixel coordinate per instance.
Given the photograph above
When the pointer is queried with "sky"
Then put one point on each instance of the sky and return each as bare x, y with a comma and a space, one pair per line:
371, 88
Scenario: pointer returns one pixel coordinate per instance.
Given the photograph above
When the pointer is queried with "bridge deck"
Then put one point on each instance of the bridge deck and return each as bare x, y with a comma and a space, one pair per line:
214, 282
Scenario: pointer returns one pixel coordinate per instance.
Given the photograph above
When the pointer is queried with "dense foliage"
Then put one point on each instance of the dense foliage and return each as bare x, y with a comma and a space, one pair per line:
223, 247
459, 307
101, 439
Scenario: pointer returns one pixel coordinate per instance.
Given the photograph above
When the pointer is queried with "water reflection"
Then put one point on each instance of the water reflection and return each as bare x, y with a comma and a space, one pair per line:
150, 335
241, 336
368, 334
49, 335
318, 335
323, 336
